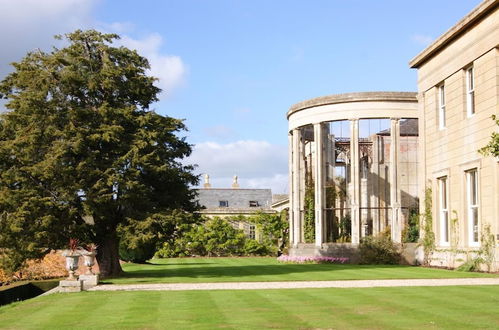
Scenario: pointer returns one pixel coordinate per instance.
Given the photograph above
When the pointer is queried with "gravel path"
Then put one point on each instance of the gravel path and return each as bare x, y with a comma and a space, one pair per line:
295, 284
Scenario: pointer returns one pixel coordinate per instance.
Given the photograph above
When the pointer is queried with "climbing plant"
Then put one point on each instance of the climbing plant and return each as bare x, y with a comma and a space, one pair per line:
410, 233
487, 248
309, 216
428, 238
492, 148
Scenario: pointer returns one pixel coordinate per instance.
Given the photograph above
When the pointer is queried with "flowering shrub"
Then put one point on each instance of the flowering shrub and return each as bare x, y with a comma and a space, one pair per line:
50, 266
312, 260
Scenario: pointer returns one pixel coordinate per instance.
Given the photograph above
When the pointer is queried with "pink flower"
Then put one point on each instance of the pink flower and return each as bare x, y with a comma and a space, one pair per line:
311, 259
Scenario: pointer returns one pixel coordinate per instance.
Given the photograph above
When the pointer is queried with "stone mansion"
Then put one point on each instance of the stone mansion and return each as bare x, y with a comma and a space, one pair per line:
362, 162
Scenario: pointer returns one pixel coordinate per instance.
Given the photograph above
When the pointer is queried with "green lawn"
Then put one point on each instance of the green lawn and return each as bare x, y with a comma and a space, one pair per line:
373, 308
267, 269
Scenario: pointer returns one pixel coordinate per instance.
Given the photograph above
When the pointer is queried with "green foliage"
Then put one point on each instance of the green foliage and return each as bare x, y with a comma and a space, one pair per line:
379, 249
345, 229
410, 234
428, 239
78, 140
484, 256
254, 248
309, 205
470, 265
492, 148
487, 246
218, 237
140, 239
274, 229
214, 237
222, 239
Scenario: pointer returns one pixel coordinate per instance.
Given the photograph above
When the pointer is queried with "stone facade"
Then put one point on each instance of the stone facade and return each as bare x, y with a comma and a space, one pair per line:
458, 91
232, 203
352, 160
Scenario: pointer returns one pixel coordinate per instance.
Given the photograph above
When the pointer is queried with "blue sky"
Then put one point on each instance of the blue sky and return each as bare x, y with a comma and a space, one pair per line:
233, 68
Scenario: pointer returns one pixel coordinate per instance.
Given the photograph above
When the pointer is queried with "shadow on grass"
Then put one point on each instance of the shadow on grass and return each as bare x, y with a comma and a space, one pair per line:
256, 271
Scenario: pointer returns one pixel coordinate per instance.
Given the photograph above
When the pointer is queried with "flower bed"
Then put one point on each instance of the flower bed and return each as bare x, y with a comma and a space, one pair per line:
312, 260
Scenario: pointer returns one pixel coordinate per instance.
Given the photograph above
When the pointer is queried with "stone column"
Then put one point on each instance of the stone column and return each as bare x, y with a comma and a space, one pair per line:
319, 184
295, 192
396, 229
290, 188
354, 180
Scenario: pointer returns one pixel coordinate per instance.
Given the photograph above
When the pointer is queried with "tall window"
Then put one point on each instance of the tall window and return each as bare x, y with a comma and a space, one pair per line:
470, 91
441, 106
443, 210
252, 232
472, 205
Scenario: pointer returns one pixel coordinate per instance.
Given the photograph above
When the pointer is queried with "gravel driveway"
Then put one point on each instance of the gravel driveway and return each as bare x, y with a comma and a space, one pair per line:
295, 284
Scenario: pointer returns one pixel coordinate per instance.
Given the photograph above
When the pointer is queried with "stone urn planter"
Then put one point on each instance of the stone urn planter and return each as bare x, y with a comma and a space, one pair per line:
89, 261
72, 259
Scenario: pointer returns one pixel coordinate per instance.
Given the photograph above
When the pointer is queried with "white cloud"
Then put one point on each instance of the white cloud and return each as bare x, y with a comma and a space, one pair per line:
169, 69
219, 131
258, 164
421, 39
278, 182
31, 24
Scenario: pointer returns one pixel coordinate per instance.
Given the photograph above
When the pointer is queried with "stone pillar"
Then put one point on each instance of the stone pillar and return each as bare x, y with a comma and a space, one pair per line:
396, 227
319, 184
354, 180
290, 187
295, 192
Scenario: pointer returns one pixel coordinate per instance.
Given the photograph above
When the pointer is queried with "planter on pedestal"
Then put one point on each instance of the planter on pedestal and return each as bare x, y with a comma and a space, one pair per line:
72, 259
89, 261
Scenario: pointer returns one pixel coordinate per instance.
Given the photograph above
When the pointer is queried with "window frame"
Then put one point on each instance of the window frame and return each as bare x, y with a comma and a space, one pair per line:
470, 91
441, 106
473, 207
443, 210
252, 231
254, 204
223, 203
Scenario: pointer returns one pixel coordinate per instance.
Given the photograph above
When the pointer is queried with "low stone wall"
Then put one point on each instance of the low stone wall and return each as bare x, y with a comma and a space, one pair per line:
340, 250
411, 254
449, 258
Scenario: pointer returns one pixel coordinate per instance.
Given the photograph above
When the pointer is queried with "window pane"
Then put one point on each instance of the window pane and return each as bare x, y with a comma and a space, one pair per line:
444, 193
473, 184
474, 215
471, 83
442, 95
445, 233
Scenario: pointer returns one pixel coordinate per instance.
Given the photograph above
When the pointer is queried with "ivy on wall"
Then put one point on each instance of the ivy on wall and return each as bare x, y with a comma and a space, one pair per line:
309, 216
428, 238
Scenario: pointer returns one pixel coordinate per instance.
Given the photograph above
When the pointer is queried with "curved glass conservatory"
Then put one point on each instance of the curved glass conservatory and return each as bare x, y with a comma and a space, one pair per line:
353, 162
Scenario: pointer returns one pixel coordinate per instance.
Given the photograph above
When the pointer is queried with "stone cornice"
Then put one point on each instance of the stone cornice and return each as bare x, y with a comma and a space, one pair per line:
354, 97
454, 32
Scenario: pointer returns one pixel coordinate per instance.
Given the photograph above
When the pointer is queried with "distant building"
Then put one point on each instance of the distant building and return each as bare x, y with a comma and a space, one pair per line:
234, 202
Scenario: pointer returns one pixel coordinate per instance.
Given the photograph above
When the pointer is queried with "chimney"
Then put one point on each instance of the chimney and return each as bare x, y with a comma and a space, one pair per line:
207, 184
235, 185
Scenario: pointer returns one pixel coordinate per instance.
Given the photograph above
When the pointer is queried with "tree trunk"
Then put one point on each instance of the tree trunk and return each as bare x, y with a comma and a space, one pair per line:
108, 256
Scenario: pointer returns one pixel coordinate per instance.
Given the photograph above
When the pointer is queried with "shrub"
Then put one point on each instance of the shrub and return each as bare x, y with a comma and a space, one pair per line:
221, 239
471, 265
379, 250
254, 248
410, 234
